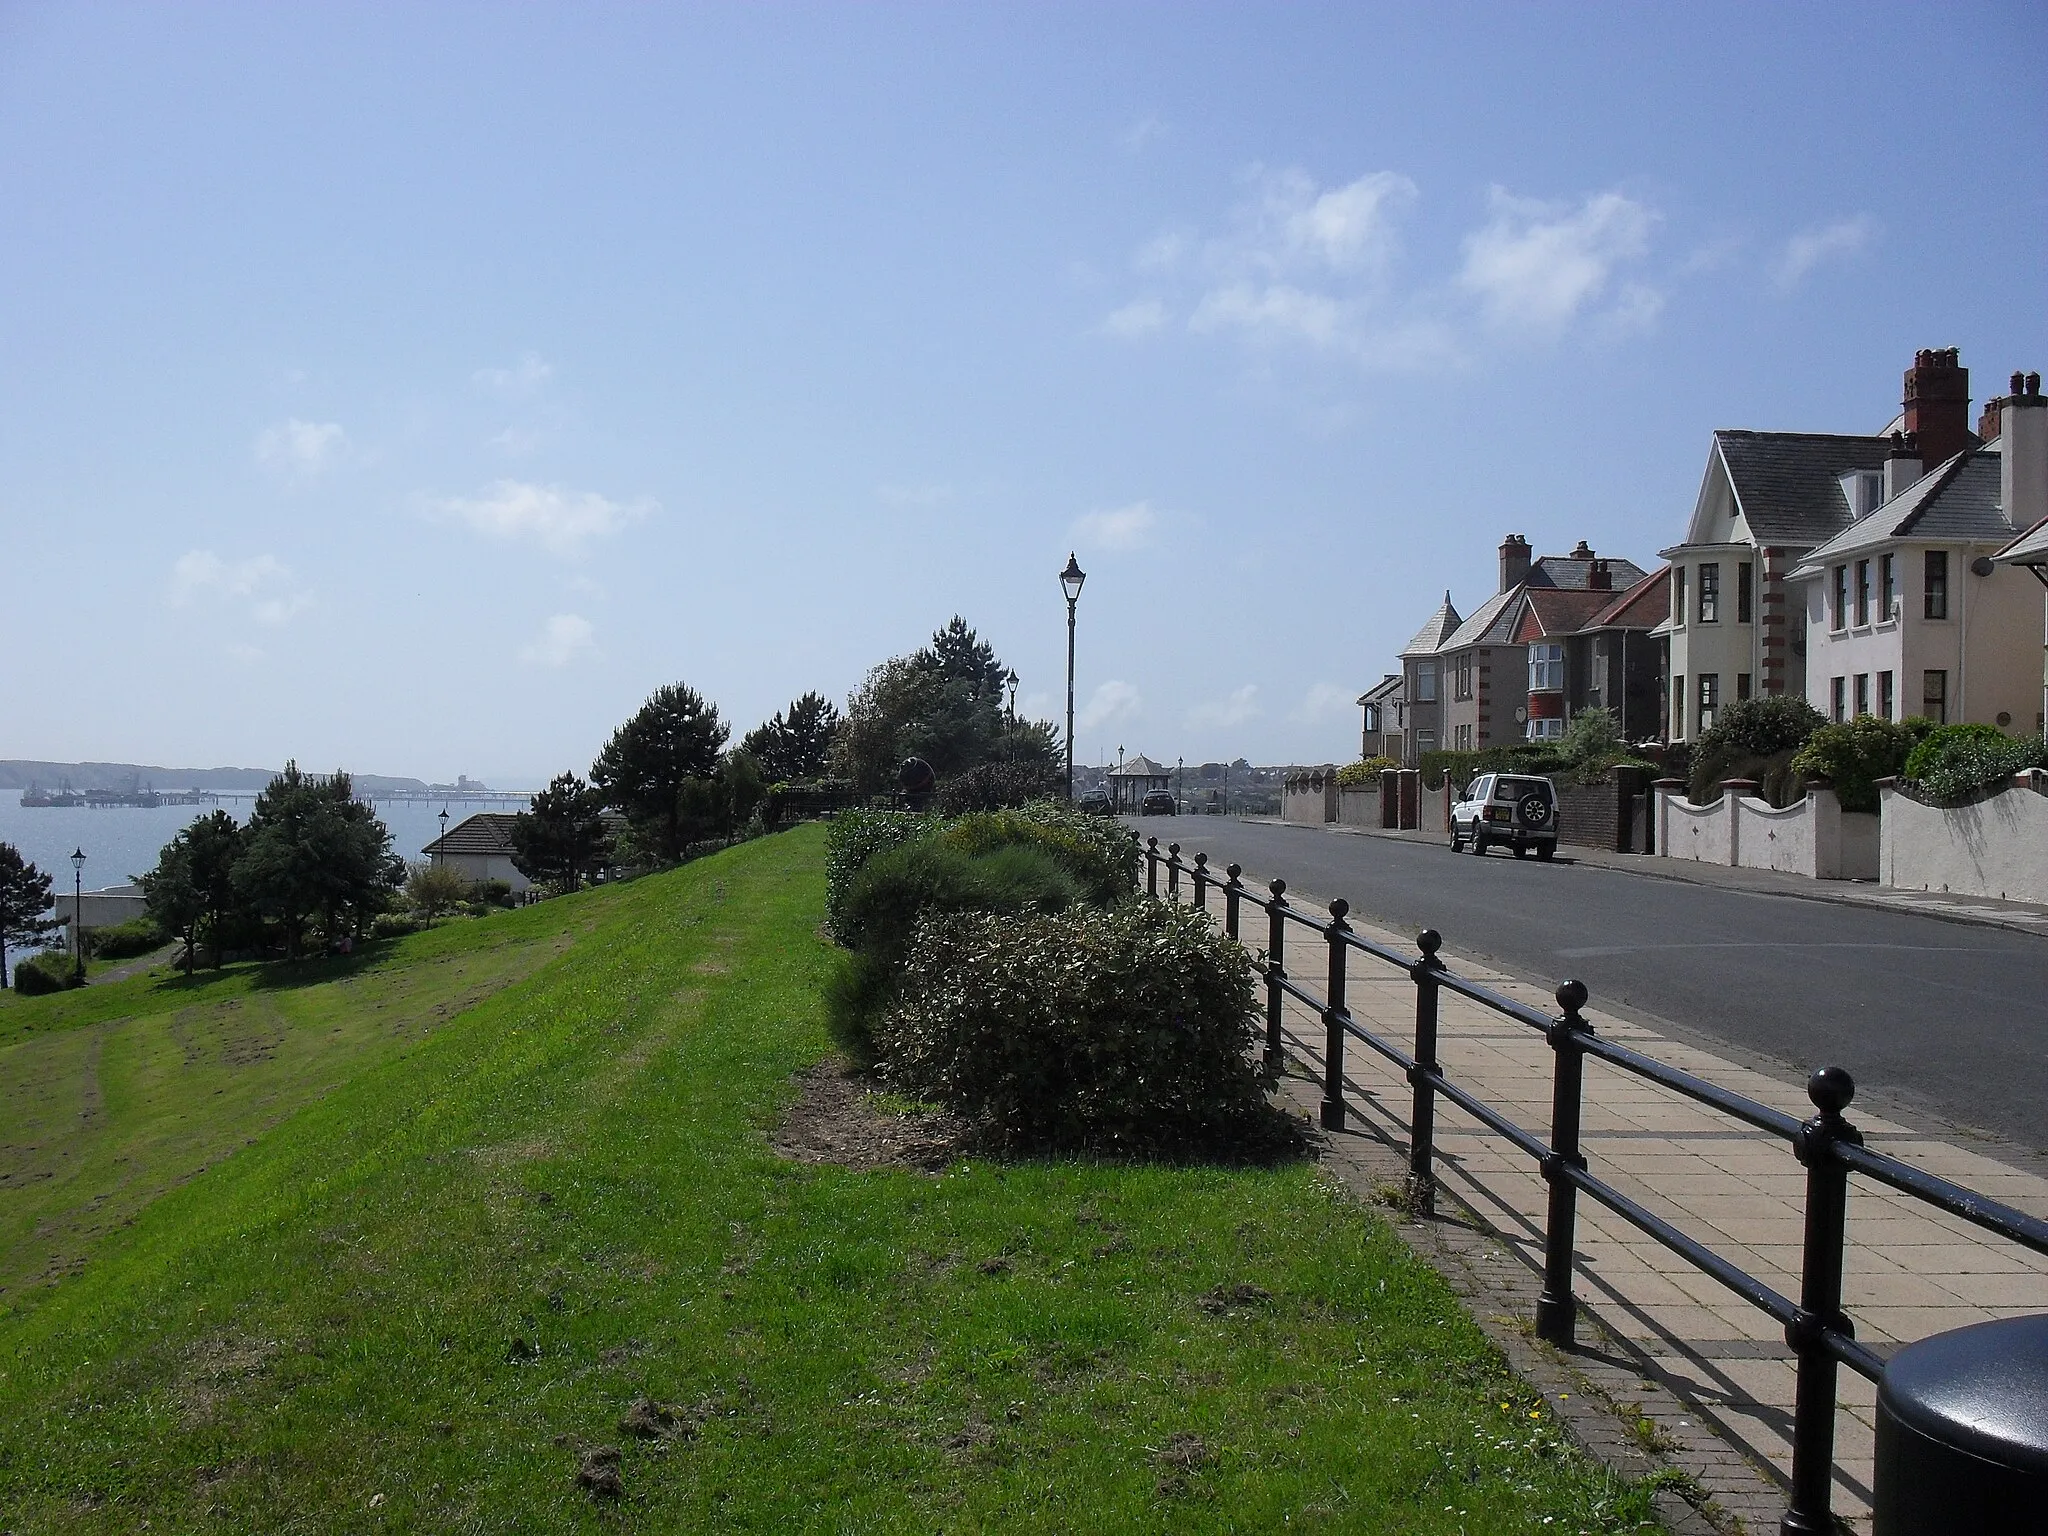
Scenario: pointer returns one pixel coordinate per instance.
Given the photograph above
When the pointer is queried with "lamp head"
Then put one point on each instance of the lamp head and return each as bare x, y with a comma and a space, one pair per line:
1072, 577
78, 858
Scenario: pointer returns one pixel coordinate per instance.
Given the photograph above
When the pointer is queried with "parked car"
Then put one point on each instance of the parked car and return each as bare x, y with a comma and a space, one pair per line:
1095, 802
1512, 810
1158, 803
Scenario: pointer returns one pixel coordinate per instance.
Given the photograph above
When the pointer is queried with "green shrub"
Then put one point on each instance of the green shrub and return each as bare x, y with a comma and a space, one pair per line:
1461, 768
1365, 771
999, 786
491, 893
1854, 756
1754, 738
1954, 763
854, 837
1592, 736
124, 941
394, 925
1097, 852
51, 971
1125, 1029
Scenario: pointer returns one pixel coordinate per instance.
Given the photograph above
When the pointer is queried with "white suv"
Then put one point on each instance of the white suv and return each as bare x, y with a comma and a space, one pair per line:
1513, 809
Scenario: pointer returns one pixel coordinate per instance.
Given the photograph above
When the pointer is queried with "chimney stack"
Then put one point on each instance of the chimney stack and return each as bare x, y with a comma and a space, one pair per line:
1938, 404
1901, 465
1514, 562
2023, 452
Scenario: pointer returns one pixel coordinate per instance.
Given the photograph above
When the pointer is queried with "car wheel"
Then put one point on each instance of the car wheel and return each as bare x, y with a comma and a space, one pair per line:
1457, 843
1479, 842
1546, 852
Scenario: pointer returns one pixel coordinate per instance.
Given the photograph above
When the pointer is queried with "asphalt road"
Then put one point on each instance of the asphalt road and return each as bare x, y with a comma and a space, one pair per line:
1934, 1019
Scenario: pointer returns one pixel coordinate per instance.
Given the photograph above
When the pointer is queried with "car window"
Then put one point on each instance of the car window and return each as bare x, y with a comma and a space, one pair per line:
1514, 789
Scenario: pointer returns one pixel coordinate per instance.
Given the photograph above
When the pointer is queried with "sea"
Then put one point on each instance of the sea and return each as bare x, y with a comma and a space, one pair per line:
122, 842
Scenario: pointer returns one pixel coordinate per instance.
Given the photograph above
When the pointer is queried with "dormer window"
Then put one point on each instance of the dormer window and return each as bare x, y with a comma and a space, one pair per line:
1863, 489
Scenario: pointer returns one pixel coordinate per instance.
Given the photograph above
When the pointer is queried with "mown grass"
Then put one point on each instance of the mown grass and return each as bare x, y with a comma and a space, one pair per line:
449, 1251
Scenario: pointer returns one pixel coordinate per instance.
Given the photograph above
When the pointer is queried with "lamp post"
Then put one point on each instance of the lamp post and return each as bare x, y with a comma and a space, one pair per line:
440, 845
78, 912
1011, 679
1070, 582
1180, 783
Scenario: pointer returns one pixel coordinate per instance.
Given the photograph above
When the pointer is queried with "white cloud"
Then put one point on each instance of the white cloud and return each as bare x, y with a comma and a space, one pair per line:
515, 442
1325, 701
1536, 266
1124, 528
557, 519
1140, 317
522, 381
301, 450
1112, 701
566, 637
1347, 227
1809, 248
263, 582
1278, 311
1241, 705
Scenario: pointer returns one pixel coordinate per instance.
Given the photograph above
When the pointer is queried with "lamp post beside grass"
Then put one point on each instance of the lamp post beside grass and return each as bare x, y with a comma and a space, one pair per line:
78, 913
1070, 582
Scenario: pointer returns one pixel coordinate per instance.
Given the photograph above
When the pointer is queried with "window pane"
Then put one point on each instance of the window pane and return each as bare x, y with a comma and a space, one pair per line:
1884, 695
1862, 592
1887, 588
1936, 595
1710, 592
1745, 593
1934, 696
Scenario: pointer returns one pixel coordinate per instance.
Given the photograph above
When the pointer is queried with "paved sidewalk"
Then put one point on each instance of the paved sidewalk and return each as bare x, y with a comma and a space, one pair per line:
1980, 911
1911, 1270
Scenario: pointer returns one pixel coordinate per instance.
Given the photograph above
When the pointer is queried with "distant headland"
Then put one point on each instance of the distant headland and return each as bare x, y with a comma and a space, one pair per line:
23, 773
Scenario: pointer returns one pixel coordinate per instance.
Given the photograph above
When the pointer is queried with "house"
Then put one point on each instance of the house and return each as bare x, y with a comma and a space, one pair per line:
1134, 779
1906, 610
1423, 709
1485, 670
1381, 728
1766, 502
2030, 553
93, 910
1593, 648
480, 847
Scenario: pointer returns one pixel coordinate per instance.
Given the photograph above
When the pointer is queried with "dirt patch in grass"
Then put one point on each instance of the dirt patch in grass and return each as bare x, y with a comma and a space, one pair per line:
837, 1119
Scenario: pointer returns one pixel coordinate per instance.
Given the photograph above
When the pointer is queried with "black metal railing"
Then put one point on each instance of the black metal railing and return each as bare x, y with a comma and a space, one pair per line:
1817, 1331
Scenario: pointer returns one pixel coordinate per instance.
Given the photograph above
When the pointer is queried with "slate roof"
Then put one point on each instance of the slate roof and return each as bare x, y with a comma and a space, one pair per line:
1789, 482
1431, 637
1140, 766
1384, 689
2030, 548
1492, 623
1574, 573
487, 833
1958, 502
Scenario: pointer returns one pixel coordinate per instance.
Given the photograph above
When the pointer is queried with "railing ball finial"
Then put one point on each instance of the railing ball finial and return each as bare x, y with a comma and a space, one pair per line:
1277, 886
1340, 909
1174, 849
1151, 842
1233, 870
1571, 997
1429, 941
1831, 1089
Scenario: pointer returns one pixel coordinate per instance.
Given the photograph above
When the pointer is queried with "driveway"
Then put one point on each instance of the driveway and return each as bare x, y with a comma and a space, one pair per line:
1934, 1017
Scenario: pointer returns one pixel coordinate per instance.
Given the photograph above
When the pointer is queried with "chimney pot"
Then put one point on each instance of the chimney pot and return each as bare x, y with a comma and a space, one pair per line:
1937, 404
2033, 384
2019, 383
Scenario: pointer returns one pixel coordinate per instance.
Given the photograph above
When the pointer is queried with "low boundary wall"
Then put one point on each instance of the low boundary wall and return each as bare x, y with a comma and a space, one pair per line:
1995, 846
1815, 838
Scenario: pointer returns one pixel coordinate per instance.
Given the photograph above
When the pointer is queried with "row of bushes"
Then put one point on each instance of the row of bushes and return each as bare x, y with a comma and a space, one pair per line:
41, 974
1001, 964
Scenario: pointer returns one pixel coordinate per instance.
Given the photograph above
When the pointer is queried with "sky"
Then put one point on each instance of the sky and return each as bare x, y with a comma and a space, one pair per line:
415, 389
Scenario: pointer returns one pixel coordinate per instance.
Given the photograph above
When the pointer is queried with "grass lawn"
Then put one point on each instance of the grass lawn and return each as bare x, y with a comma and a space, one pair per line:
396, 1243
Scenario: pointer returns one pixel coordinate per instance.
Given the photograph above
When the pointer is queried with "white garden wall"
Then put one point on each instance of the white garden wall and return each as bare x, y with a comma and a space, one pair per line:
1996, 847
1815, 838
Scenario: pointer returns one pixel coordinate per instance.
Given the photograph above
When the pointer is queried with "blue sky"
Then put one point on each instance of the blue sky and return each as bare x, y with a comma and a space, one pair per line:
415, 388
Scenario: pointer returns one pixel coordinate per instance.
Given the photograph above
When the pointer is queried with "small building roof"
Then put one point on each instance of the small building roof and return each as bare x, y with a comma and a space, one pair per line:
1139, 766
1384, 689
1431, 637
1788, 484
1491, 623
486, 833
1958, 502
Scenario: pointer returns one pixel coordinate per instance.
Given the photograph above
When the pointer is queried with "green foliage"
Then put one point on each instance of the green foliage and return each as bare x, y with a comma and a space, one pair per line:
674, 739
854, 837
1592, 736
25, 902
312, 852
489, 893
51, 971
124, 941
1853, 756
1461, 768
1955, 763
1126, 1029
561, 841
999, 786
1366, 771
395, 925
1096, 851
1754, 738
432, 890
794, 746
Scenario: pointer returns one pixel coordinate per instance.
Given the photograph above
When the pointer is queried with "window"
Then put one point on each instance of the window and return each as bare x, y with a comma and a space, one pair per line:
1741, 686
1837, 698
1710, 592
1838, 616
1678, 707
1372, 718
1425, 741
1935, 597
1678, 596
1884, 696
1887, 589
1546, 730
1461, 677
1862, 694
1710, 699
1862, 592
1546, 667
1425, 684
1745, 593
1934, 696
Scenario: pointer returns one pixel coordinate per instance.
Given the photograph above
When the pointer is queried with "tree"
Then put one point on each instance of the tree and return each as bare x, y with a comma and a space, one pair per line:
794, 746
959, 655
435, 888
563, 837
312, 850
676, 737
24, 898
192, 888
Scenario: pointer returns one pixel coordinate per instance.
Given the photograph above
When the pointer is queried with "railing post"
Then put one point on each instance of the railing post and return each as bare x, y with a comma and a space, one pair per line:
1422, 1114
1820, 1302
1276, 972
1151, 866
1201, 882
1556, 1308
1232, 889
1334, 1018
1173, 871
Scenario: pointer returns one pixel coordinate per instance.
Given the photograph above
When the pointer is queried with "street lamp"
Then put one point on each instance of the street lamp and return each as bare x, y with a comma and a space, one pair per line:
1011, 679
77, 912
441, 846
1070, 582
